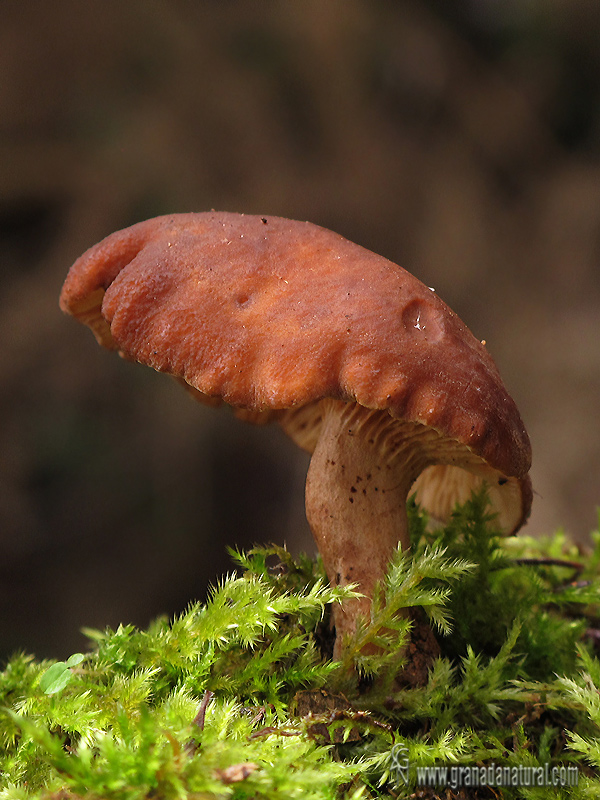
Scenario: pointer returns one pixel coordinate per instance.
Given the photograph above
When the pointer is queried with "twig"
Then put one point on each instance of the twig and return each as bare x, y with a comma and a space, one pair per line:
200, 716
552, 562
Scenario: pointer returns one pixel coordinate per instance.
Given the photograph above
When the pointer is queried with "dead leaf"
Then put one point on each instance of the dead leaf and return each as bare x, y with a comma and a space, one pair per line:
236, 772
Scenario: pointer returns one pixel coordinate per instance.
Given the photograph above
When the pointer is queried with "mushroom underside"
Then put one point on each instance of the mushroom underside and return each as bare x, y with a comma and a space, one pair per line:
364, 465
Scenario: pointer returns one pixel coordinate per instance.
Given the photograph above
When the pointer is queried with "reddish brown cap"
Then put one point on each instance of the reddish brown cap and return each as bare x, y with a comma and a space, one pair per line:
269, 314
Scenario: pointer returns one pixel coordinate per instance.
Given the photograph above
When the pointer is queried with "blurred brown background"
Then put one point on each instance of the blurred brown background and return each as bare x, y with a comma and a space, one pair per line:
461, 140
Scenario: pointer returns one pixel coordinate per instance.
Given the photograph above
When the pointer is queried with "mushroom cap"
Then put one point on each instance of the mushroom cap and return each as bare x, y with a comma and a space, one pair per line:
269, 314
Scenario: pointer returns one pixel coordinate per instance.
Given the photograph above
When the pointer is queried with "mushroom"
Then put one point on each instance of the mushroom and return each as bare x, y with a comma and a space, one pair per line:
359, 362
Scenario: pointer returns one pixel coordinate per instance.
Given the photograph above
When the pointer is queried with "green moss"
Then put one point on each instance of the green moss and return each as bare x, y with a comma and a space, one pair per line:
239, 698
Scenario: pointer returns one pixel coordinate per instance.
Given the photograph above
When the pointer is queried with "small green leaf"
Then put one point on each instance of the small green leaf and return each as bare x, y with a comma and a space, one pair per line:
75, 660
55, 678
58, 675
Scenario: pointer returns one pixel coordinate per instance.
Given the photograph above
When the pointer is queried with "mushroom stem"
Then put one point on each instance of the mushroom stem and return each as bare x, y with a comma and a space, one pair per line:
356, 491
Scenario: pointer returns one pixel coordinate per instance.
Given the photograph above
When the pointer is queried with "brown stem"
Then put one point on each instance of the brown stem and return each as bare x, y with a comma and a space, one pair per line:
356, 503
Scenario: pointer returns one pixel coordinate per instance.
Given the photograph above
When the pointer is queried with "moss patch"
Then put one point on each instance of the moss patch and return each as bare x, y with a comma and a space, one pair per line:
239, 698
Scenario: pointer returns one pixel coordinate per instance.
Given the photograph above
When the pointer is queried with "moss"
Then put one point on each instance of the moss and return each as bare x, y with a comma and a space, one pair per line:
239, 697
